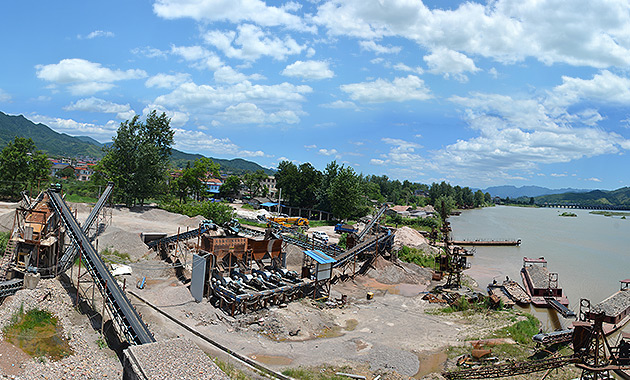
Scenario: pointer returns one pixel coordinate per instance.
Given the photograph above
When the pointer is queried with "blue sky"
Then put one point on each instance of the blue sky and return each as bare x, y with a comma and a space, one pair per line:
475, 93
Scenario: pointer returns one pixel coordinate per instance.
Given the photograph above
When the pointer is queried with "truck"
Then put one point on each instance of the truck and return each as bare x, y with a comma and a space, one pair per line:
347, 228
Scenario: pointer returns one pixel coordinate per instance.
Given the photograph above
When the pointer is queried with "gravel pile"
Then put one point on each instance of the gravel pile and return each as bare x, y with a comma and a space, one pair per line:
406, 236
175, 359
88, 361
251, 214
400, 272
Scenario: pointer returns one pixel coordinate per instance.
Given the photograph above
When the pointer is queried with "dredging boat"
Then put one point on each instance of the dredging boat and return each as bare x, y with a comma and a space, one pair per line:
615, 309
542, 286
510, 292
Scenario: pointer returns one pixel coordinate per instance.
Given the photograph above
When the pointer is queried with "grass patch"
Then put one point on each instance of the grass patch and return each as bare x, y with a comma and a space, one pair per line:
250, 223
416, 256
316, 373
114, 256
610, 213
521, 331
570, 214
4, 239
37, 333
230, 370
322, 223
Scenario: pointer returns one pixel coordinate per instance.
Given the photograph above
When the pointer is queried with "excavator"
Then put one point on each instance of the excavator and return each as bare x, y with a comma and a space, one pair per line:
289, 222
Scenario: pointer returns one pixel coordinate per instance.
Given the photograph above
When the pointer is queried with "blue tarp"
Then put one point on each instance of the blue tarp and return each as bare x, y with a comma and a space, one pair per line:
270, 204
319, 256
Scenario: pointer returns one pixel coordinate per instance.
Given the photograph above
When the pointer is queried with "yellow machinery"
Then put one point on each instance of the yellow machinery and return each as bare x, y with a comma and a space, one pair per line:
289, 222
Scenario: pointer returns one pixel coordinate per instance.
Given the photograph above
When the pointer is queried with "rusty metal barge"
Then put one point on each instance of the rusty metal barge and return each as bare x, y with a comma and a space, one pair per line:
615, 309
542, 286
495, 243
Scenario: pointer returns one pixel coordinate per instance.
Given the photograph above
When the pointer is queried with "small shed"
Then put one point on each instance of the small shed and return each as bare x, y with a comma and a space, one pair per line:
318, 266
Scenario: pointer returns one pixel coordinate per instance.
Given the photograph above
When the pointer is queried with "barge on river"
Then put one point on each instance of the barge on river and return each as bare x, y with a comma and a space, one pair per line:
491, 243
542, 286
615, 309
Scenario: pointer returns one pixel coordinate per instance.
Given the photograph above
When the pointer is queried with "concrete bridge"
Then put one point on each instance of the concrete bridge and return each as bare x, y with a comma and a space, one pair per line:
586, 206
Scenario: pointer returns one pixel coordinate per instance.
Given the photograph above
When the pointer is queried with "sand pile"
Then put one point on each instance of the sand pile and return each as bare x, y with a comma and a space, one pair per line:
411, 238
390, 273
251, 214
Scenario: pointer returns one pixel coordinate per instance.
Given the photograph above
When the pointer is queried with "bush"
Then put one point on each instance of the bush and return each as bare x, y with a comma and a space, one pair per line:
416, 256
219, 213
4, 239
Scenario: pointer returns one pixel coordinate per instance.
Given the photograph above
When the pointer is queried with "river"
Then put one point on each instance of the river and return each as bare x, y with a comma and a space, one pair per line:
589, 252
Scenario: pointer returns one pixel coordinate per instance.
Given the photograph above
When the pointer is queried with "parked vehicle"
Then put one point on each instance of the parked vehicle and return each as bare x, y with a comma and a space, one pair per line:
320, 236
347, 228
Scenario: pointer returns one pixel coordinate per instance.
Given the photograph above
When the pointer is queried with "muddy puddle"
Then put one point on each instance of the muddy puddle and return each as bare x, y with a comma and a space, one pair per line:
41, 341
430, 362
271, 359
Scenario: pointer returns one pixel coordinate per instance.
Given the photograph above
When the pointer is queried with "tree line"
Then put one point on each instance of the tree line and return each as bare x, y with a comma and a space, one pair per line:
138, 164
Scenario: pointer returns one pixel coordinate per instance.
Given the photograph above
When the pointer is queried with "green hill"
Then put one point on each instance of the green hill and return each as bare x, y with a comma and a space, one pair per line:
60, 144
619, 197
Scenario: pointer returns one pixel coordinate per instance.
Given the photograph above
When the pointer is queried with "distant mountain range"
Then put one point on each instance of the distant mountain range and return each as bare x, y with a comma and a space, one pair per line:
619, 197
527, 191
61, 144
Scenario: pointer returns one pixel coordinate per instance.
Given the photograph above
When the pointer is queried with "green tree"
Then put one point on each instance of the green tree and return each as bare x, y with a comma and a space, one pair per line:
66, 172
344, 194
137, 161
230, 187
22, 165
254, 182
444, 205
191, 180
487, 197
479, 198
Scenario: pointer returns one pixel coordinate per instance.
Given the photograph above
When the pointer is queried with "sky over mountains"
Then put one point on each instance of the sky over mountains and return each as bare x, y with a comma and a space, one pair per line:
474, 93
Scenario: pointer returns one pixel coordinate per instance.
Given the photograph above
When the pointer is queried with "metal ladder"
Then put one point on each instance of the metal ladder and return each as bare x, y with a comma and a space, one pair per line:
9, 255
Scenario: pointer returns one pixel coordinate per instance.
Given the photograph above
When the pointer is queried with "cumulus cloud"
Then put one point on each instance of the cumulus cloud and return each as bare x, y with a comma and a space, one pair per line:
234, 11
240, 102
149, 52
167, 80
102, 133
340, 104
178, 118
379, 49
313, 70
97, 33
450, 63
200, 57
604, 87
84, 77
403, 67
226, 74
502, 30
122, 111
329, 153
200, 142
251, 43
381, 90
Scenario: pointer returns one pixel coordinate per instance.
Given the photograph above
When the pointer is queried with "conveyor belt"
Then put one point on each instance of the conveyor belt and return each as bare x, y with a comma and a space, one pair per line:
374, 220
203, 228
8, 288
362, 247
70, 255
124, 315
560, 308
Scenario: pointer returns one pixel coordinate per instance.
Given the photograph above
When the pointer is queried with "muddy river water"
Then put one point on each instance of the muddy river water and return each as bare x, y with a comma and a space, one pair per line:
589, 252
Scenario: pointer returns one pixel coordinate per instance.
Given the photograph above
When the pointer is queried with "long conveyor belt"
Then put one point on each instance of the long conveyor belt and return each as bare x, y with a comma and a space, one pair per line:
372, 222
124, 315
346, 256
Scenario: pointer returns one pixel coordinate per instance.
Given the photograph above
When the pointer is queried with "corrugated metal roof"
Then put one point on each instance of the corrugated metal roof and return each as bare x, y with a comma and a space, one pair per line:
319, 256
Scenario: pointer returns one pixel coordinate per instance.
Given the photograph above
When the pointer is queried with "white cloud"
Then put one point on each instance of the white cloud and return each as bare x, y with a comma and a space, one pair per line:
253, 42
4, 96
178, 118
313, 70
122, 111
593, 179
381, 90
450, 63
234, 11
226, 74
149, 52
403, 67
604, 87
340, 104
310, 146
201, 57
379, 49
329, 153
167, 80
503, 30
241, 102
84, 77
97, 33
197, 141
558, 174
102, 133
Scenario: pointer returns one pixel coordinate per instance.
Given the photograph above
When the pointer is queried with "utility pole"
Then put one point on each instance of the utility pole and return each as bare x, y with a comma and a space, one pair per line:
279, 198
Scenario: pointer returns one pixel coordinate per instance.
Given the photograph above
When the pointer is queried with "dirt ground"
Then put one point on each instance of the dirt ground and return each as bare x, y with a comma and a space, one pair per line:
394, 334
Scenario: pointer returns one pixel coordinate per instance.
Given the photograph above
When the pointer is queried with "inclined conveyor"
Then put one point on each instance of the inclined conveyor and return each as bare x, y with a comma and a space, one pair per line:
371, 223
560, 308
123, 313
